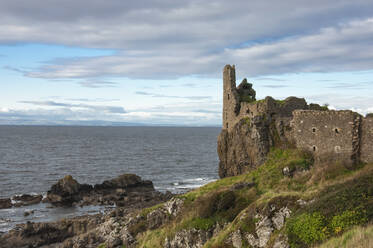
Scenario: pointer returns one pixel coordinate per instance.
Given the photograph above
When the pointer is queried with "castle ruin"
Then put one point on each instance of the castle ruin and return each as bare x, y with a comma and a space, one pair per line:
251, 127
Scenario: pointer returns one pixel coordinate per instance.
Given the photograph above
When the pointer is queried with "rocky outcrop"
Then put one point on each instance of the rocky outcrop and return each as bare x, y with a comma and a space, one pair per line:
123, 190
267, 230
38, 234
26, 200
238, 154
192, 238
66, 191
20, 200
266, 225
115, 229
5, 203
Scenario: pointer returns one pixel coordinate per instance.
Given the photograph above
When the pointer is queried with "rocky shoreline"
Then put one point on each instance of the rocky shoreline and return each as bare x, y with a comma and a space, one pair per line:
127, 192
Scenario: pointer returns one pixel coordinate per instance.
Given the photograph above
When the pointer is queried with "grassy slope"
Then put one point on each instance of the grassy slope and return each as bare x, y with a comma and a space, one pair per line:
357, 237
341, 198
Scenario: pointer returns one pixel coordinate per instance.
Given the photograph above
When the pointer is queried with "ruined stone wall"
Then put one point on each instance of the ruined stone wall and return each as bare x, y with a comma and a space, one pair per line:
329, 135
234, 110
251, 128
366, 153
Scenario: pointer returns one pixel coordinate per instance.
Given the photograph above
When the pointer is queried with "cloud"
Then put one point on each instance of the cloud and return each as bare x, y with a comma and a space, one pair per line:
173, 24
361, 104
19, 70
172, 39
187, 113
351, 86
274, 86
144, 93
190, 85
346, 47
96, 108
92, 99
59, 116
270, 79
187, 85
97, 84
326, 80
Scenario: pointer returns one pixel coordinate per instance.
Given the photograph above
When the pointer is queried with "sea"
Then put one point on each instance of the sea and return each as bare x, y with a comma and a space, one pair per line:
33, 158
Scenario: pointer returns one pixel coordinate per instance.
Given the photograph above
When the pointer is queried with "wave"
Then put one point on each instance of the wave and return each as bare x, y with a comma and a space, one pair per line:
188, 184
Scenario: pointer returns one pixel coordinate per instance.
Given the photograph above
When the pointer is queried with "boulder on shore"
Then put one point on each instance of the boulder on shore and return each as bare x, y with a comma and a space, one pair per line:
125, 181
66, 191
20, 200
121, 190
5, 203
26, 200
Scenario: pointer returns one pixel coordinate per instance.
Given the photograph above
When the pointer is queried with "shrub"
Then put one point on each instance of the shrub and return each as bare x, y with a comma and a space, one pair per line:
307, 228
340, 223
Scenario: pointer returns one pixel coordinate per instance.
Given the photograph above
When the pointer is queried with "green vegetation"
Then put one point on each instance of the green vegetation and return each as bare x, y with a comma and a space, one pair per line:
199, 223
307, 228
336, 208
246, 98
325, 107
357, 237
270, 174
247, 121
347, 219
258, 101
280, 102
338, 199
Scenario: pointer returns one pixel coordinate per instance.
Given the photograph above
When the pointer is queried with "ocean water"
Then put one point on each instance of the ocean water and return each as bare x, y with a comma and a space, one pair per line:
32, 158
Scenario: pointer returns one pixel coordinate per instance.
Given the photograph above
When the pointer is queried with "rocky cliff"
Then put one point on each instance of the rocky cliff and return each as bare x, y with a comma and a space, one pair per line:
265, 124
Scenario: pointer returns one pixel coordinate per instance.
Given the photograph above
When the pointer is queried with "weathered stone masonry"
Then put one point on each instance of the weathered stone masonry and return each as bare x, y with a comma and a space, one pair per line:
329, 135
250, 128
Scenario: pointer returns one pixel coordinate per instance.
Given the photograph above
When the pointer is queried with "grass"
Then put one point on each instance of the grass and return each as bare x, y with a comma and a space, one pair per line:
357, 237
270, 174
150, 239
214, 186
199, 223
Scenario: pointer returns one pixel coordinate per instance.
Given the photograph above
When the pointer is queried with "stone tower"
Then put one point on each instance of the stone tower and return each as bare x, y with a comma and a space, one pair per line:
230, 96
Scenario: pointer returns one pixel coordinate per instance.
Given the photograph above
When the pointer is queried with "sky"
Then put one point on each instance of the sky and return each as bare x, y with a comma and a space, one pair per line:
115, 62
